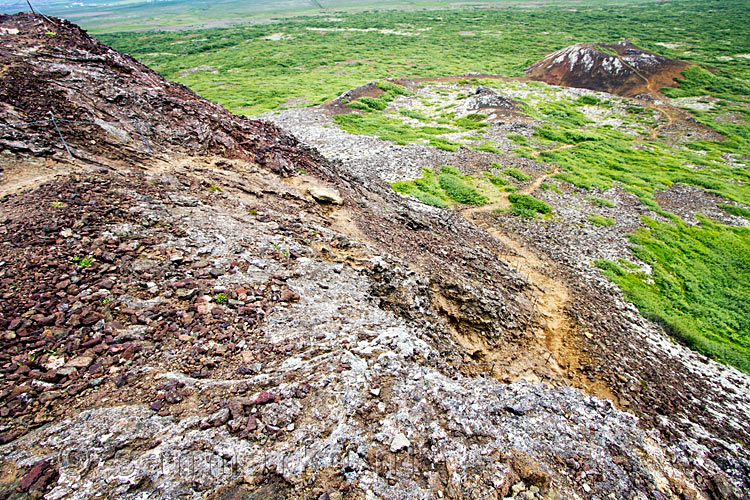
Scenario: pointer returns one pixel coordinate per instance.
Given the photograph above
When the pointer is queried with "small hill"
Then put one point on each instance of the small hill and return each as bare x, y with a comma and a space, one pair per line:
619, 68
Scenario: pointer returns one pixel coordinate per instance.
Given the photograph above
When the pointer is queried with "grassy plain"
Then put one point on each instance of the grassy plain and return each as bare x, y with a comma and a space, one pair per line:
253, 68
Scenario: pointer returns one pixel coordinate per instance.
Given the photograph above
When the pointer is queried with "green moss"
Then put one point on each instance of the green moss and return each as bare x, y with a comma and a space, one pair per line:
692, 290
496, 180
456, 188
488, 147
444, 144
527, 206
393, 88
518, 139
426, 189
414, 114
697, 81
735, 210
600, 202
472, 122
517, 174
602, 221
441, 189
590, 100
387, 129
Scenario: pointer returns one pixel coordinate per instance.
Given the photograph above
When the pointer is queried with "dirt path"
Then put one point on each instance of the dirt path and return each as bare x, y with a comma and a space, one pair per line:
550, 323
654, 92
18, 177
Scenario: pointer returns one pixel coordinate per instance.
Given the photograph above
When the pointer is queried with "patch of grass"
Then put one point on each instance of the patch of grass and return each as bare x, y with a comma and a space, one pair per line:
600, 202
590, 100
444, 144
472, 122
527, 206
387, 129
599, 220
519, 139
425, 189
697, 81
410, 113
393, 88
82, 262
496, 180
692, 291
735, 210
488, 148
440, 189
635, 110
221, 298
607, 50
454, 186
517, 174
548, 186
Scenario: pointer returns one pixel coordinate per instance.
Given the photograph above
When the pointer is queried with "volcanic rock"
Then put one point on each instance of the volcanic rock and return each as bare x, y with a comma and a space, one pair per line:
619, 68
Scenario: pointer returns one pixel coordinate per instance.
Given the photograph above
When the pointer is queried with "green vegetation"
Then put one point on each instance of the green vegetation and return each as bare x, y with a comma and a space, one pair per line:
221, 298
697, 81
425, 189
444, 144
590, 100
387, 129
390, 92
255, 67
393, 88
607, 50
472, 122
496, 180
600, 202
410, 113
735, 210
547, 186
440, 190
527, 206
599, 220
453, 183
517, 174
488, 147
693, 288
519, 139
82, 262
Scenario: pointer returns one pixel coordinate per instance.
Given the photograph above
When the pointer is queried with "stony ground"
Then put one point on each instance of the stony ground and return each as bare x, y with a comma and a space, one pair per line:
215, 323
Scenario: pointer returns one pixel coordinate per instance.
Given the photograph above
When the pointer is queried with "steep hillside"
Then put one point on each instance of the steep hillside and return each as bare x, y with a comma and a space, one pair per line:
618, 68
197, 305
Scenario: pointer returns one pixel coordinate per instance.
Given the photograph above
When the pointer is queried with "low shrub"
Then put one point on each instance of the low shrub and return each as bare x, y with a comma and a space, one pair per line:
517, 174
599, 220
527, 206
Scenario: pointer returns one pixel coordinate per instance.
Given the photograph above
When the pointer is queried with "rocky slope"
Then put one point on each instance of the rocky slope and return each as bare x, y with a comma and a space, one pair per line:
618, 68
234, 316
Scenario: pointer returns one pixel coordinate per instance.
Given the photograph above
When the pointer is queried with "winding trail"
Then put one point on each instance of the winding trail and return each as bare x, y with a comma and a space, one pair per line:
550, 323
654, 92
